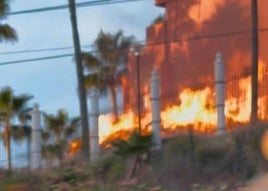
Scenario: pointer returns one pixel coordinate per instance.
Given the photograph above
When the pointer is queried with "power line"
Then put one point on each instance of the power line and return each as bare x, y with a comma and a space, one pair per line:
141, 42
35, 59
78, 5
220, 35
41, 50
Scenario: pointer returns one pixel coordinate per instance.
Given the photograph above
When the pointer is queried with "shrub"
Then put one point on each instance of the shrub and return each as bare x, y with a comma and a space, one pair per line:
108, 168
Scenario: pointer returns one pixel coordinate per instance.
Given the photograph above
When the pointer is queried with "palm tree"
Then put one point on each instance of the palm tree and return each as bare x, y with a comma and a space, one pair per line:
11, 106
60, 127
106, 68
23, 130
7, 33
81, 86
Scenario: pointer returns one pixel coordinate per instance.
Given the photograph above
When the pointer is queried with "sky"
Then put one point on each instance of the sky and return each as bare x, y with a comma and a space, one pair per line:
53, 83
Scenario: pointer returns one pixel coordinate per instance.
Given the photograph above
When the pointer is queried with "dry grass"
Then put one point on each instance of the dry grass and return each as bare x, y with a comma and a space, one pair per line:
186, 163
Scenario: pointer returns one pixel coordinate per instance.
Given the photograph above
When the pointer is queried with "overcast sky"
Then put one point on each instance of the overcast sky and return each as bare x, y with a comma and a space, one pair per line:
53, 82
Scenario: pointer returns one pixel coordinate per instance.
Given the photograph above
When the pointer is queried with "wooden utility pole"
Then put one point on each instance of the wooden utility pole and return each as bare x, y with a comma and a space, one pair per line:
80, 78
254, 61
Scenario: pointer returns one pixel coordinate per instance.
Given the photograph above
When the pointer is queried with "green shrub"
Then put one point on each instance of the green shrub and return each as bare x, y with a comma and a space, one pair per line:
211, 151
182, 145
108, 168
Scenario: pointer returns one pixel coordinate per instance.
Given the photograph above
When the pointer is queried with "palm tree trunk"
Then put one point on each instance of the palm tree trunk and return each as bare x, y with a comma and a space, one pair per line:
114, 104
8, 147
254, 64
80, 77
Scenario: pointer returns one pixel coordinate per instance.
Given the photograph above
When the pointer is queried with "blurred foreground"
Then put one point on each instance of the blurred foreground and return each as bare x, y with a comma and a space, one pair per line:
187, 162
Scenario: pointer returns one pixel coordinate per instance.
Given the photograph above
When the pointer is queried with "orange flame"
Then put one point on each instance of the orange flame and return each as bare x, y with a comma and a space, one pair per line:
208, 8
239, 109
195, 108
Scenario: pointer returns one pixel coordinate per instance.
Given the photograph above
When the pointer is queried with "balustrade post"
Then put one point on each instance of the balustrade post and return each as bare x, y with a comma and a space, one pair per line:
220, 92
36, 149
94, 125
155, 104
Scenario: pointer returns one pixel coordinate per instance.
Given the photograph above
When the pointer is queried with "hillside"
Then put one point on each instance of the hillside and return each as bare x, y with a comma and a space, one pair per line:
187, 162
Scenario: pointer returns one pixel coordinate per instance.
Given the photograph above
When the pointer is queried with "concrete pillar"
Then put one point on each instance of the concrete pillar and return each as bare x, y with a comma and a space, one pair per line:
35, 155
94, 125
220, 92
155, 104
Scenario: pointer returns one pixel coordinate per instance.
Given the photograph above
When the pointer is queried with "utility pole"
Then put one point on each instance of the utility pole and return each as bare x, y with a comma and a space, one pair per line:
138, 90
254, 61
80, 78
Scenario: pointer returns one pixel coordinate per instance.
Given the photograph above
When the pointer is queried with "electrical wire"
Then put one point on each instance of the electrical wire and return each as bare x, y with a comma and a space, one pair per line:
78, 5
36, 59
41, 50
140, 42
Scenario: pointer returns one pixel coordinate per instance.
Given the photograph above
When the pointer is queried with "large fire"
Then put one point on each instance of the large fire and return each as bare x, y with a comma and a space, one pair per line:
193, 108
215, 20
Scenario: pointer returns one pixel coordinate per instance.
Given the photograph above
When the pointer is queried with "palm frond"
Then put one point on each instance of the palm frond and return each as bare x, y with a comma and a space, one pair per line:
62, 116
90, 62
60, 125
7, 34
6, 95
117, 37
4, 8
140, 143
104, 44
135, 145
93, 80
122, 147
54, 124
72, 128
20, 102
20, 132
25, 116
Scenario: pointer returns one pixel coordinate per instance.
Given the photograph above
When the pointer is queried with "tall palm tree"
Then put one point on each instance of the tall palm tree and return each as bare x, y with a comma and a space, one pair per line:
106, 68
79, 73
60, 127
11, 106
7, 33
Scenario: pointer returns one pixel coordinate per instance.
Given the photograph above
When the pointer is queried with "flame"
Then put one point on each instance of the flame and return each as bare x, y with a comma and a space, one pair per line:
107, 127
204, 10
238, 109
74, 147
194, 109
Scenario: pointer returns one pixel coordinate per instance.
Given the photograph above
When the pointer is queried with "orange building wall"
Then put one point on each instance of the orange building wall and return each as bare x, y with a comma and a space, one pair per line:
183, 47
